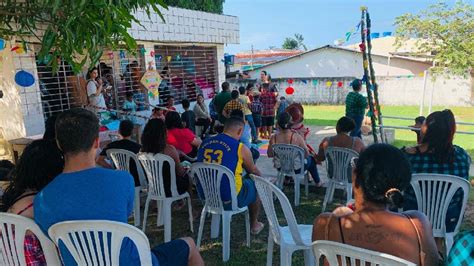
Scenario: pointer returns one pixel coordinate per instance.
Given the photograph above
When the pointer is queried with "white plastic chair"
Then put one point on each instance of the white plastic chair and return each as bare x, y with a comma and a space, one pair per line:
121, 159
12, 236
98, 242
338, 162
153, 165
337, 253
433, 194
291, 237
288, 155
209, 177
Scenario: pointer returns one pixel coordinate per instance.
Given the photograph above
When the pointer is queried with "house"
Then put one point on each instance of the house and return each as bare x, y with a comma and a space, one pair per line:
186, 50
334, 61
248, 60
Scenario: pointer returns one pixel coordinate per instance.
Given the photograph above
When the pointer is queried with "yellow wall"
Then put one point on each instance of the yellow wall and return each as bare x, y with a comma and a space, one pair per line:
11, 117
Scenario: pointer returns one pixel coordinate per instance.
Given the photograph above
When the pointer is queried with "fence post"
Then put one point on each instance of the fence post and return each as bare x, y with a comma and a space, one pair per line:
423, 94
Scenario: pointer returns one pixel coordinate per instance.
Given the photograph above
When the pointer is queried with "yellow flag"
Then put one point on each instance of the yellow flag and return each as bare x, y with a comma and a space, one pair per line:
328, 83
421, 74
168, 58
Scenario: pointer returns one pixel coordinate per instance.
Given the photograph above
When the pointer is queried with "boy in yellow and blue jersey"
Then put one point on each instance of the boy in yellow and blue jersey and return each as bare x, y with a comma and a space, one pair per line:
226, 149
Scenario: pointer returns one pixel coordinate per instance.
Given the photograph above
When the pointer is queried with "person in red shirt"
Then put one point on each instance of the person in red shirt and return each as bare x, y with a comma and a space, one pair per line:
268, 100
183, 139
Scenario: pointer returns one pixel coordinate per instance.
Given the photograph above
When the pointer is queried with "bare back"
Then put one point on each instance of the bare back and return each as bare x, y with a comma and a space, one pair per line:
396, 234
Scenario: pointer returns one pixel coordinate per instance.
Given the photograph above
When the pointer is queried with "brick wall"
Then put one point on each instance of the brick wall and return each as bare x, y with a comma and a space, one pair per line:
182, 25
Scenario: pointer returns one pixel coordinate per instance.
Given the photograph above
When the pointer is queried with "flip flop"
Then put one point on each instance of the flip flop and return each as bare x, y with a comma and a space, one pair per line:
258, 230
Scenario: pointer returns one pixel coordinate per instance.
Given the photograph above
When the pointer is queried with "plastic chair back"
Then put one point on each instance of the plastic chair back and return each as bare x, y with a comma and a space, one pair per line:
210, 177
266, 190
291, 158
12, 236
433, 194
153, 166
338, 161
341, 254
121, 159
98, 242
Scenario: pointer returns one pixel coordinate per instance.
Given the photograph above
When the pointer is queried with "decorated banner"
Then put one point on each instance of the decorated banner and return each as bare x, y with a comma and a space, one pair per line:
151, 81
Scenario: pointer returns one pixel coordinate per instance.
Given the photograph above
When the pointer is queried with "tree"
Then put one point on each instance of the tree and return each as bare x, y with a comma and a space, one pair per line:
294, 43
213, 6
77, 31
444, 33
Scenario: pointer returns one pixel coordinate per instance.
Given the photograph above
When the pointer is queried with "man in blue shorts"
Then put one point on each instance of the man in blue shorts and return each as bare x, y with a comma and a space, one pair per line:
226, 149
84, 192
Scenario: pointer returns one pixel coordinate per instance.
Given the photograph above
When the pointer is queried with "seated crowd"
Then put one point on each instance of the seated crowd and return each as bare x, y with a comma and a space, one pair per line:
57, 179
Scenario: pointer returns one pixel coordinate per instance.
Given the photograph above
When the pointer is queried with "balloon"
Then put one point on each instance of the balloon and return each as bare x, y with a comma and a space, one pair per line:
289, 90
339, 84
24, 79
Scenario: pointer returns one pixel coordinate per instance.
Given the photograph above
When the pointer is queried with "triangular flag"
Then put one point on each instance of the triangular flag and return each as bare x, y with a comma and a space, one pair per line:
168, 58
315, 82
304, 81
328, 83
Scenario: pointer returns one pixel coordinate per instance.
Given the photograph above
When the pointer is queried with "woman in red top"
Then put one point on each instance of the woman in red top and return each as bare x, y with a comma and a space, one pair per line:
183, 139
39, 164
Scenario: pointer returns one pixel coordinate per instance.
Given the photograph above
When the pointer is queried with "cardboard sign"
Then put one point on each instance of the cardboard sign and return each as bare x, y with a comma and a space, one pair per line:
151, 81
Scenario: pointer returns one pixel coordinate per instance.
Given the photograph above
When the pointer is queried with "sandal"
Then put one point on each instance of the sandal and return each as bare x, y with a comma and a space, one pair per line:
258, 230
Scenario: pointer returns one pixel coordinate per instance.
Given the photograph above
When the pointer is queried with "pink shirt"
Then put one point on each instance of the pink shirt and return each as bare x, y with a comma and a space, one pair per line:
181, 139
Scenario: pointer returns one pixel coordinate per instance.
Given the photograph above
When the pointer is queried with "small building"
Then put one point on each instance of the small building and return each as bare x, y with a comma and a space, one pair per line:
186, 50
249, 60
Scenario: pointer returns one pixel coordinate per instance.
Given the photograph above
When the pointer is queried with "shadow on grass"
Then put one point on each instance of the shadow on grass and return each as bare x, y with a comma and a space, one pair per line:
320, 122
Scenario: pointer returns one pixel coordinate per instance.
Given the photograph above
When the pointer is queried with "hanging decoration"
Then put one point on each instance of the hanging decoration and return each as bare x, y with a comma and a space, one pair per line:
122, 54
19, 49
290, 81
158, 57
339, 84
348, 35
2, 44
328, 83
362, 47
366, 63
304, 81
111, 55
143, 50
421, 74
168, 58
151, 81
24, 78
315, 82
290, 90
178, 57
152, 53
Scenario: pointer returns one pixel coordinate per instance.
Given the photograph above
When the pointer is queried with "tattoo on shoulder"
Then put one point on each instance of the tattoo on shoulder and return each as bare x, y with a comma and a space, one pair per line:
375, 237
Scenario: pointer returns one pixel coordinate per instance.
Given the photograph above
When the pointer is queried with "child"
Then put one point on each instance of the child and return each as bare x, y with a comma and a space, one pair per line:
256, 108
233, 104
130, 106
281, 105
418, 123
188, 116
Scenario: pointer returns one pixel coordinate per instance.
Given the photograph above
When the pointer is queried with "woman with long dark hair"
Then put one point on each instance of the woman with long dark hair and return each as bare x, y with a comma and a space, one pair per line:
39, 164
203, 118
154, 141
437, 154
183, 139
379, 176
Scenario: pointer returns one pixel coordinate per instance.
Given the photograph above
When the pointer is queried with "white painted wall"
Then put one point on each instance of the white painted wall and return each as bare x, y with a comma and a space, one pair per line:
331, 62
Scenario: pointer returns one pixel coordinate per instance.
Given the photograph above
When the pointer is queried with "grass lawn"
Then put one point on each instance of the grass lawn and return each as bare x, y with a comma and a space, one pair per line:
324, 115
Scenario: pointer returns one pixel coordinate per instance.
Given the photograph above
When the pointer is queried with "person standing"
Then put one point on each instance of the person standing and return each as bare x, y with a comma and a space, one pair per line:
245, 101
356, 104
188, 116
94, 91
268, 100
221, 100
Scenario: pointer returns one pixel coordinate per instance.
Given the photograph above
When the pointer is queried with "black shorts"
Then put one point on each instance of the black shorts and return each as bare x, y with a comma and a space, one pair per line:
268, 121
257, 120
175, 252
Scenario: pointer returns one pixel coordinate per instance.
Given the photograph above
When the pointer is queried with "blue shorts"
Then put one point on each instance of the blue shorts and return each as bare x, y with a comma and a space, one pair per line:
175, 252
246, 196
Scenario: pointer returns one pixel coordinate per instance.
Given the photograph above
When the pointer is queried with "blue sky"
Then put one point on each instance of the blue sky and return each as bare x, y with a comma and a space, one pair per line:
265, 23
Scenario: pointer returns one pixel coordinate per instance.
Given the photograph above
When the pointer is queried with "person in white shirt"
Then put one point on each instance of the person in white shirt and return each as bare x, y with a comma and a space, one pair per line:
94, 90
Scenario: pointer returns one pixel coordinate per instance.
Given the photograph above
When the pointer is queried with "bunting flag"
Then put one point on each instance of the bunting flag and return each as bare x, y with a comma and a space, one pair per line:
366, 64
290, 90
143, 50
168, 58
315, 82
122, 54
304, 81
328, 83
339, 84
290, 81
422, 74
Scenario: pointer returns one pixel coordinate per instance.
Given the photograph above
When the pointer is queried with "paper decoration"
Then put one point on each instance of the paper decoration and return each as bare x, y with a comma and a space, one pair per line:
362, 47
151, 81
111, 55
122, 54
2, 44
421, 74
363, 8
290, 90
143, 50
366, 63
339, 84
178, 57
19, 49
304, 81
328, 83
152, 53
24, 79
290, 81
364, 78
315, 82
168, 58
